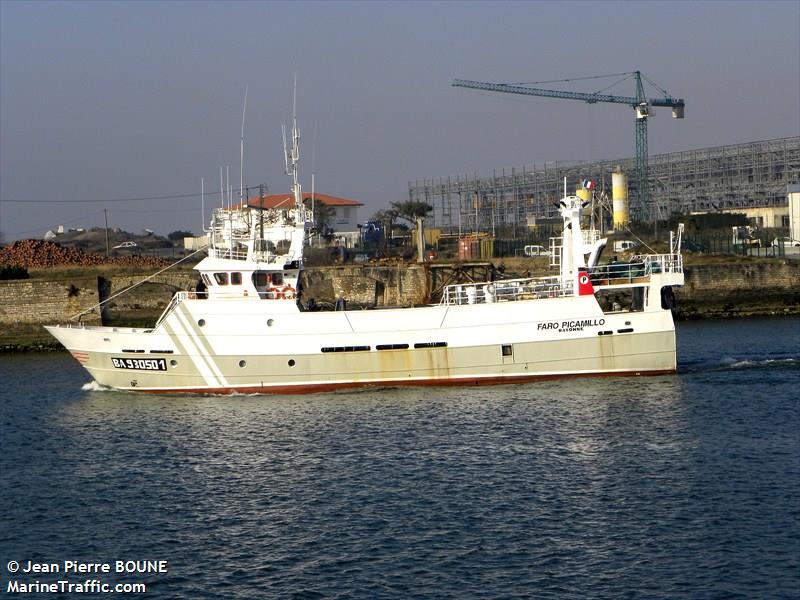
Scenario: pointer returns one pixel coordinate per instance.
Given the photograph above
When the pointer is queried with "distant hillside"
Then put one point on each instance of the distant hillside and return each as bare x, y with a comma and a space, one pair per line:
94, 240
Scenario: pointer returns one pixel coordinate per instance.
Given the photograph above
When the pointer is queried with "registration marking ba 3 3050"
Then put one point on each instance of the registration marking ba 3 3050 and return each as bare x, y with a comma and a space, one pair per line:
140, 364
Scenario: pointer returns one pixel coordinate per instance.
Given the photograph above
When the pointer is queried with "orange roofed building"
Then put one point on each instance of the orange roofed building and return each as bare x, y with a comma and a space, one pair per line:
345, 218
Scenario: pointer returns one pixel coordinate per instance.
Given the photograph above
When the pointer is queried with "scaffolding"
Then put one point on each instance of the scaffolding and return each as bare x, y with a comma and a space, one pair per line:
749, 175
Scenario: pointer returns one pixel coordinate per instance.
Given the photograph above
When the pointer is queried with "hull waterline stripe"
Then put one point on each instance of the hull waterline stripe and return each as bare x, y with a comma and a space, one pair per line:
303, 388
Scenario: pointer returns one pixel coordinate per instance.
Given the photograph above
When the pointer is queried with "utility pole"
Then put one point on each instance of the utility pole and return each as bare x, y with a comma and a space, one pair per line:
105, 212
261, 211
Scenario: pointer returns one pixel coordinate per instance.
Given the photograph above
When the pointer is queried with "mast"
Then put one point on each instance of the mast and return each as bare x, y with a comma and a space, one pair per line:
293, 154
241, 151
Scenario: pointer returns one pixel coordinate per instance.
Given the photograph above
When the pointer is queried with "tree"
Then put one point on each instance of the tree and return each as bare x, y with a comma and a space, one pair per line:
179, 235
411, 210
323, 215
386, 218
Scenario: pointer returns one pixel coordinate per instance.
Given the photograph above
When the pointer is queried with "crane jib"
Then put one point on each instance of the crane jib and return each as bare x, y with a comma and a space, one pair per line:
591, 98
640, 104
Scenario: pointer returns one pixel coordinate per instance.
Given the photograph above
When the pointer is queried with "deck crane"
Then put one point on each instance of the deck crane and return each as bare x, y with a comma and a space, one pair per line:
640, 103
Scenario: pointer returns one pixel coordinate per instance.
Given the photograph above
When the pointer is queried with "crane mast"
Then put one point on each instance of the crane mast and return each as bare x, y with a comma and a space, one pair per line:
640, 103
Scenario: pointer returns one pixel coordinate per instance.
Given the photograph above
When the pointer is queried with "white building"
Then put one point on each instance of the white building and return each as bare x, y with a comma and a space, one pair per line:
345, 217
793, 191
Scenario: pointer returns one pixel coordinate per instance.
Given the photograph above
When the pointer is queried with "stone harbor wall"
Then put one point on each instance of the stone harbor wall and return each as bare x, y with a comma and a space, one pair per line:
740, 290
715, 290
151, 297
43, 301
28, 304
367, 285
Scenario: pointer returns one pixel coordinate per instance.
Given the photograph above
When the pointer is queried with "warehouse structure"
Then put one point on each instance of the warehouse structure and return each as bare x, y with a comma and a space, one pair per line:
749, 175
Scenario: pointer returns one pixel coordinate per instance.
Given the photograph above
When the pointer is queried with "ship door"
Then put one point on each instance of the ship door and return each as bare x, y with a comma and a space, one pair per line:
261, 281
507, 352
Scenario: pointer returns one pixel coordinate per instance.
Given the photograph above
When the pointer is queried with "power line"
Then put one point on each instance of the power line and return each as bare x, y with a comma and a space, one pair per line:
571, 79
149, 211
133, 199
44, 227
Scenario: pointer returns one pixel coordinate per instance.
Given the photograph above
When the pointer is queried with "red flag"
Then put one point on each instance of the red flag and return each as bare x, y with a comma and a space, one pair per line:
584, 284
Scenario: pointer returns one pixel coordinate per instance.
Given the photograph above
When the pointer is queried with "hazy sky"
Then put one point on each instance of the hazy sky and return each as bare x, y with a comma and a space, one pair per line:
102, 101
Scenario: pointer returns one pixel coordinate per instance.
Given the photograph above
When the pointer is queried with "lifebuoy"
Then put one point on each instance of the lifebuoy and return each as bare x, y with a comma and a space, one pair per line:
286, 292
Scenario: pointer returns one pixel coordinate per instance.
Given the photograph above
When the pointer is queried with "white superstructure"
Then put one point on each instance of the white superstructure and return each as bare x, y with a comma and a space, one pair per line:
251, 332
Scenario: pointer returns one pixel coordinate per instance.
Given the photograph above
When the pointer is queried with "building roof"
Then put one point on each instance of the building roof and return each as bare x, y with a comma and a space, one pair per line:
287, 200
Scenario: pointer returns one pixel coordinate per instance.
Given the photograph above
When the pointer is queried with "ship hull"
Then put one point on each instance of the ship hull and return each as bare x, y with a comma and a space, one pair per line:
309, 352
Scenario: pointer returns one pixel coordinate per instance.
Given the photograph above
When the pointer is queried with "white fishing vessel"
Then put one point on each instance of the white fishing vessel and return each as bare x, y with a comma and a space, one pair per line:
250, 331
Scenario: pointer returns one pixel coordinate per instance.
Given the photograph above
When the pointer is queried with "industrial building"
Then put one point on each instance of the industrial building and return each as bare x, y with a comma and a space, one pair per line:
742, 176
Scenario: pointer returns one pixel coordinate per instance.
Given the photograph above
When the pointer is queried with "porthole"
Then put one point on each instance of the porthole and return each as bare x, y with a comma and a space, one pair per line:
173, 363
242, 364
291, 362
270, 322
201, 322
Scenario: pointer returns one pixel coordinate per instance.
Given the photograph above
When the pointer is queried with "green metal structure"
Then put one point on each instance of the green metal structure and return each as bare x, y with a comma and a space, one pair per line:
639, 102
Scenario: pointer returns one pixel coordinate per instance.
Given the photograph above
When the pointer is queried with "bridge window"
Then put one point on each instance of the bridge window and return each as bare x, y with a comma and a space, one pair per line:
236, 279
221, 278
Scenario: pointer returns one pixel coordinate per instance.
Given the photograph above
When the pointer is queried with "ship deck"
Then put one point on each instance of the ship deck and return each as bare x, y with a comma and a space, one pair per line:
636, 273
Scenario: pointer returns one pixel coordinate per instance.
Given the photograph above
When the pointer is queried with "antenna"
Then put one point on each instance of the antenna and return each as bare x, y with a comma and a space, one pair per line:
221, 192
202, 205
293, 154
313, 172
241, 150
285, 151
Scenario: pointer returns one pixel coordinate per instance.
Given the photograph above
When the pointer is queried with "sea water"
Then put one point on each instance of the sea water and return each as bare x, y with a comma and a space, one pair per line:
680, 486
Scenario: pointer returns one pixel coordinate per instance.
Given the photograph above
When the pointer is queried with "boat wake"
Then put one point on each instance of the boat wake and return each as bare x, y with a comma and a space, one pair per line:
764, 362
93, 386
728, 363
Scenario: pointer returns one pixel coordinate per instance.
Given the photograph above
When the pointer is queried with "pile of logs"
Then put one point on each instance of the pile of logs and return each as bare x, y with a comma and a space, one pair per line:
38, 254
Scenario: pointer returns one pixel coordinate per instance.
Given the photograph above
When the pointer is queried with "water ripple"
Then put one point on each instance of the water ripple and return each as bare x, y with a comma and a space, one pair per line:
666, 487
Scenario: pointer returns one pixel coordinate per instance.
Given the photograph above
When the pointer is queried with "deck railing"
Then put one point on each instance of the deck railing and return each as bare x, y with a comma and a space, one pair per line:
227, 253
179, 297
505, 290
661, 263
636, 272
